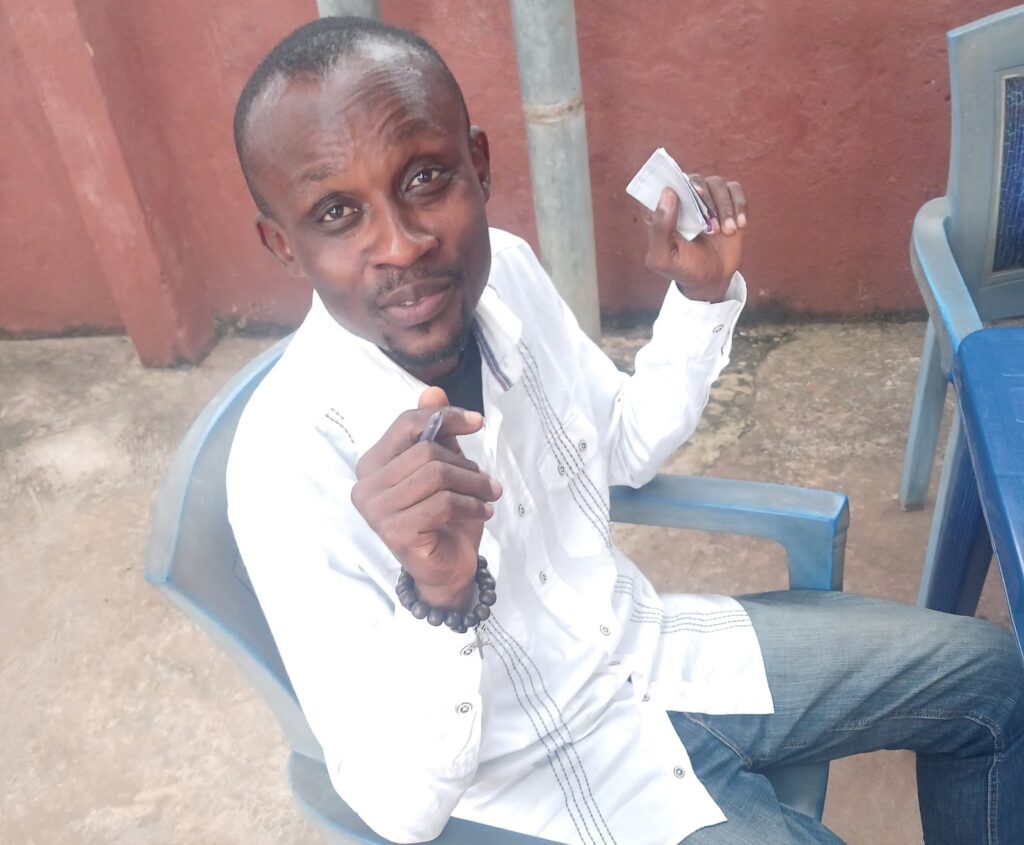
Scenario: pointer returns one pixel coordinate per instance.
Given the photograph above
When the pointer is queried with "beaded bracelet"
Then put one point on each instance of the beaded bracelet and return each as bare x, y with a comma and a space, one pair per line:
459, 622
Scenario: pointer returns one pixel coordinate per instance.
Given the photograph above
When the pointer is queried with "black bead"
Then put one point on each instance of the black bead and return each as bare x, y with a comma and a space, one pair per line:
435, 616
481, 562
461, 629
481, 612
470, 620
408, 598
419, 609
484, 580
488, 597
453, 619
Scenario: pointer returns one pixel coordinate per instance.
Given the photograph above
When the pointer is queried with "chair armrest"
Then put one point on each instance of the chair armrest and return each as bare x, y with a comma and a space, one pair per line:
809, 524
341, 826
938, 277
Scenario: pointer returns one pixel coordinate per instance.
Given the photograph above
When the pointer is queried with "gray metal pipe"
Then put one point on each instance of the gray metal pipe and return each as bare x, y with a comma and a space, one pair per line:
337, 8
556, 135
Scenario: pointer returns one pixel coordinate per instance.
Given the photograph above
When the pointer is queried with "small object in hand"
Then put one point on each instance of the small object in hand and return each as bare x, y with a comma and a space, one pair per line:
660, 171
429, 434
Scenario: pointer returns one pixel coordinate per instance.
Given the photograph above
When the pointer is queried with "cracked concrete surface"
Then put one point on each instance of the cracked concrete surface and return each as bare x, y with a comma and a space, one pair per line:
122, 723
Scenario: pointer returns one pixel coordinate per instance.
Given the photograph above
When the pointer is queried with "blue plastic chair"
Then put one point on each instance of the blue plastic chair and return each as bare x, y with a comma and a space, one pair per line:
967, 248
193, 560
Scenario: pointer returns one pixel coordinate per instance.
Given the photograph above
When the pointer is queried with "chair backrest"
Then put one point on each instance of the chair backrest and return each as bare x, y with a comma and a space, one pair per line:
192, 557
986, 162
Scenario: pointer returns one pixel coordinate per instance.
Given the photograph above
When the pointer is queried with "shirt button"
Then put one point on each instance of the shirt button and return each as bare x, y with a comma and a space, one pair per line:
467, 650
465, 707
646, 697
561, 469
582, 446
606, 630
679, 772
543, 577
522, 510
717, 329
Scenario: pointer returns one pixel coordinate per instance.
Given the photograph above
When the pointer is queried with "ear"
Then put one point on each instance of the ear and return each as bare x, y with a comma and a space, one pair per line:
480, 150
273, 237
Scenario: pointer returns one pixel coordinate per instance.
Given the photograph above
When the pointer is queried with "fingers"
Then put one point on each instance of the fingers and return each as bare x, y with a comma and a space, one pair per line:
726, 200
739, 200
427, 469
404, 432
435, 513
400, 473
412, 459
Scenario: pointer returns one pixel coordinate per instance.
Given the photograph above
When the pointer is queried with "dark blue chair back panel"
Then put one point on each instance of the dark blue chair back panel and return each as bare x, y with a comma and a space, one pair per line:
1009, 251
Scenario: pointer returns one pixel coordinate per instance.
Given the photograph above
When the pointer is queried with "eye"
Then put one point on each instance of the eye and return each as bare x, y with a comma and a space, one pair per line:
336, 211
424, 177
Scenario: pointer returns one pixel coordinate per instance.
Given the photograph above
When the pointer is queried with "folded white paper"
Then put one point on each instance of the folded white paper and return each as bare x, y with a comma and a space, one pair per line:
660, 172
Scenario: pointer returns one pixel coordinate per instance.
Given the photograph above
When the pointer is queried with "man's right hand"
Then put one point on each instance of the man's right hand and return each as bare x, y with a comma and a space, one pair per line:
427, 502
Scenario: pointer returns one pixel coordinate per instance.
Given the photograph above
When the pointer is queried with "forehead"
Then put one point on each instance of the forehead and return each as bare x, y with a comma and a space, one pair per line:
366, 105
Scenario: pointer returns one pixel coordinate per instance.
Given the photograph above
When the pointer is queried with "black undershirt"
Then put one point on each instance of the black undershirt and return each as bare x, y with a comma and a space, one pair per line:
464, 385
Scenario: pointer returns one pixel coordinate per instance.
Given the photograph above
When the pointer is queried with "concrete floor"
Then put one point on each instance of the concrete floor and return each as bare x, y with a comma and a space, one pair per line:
121, 723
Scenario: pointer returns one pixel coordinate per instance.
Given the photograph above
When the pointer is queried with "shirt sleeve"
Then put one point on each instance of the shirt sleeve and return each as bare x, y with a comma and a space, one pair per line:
653, 412
394, 702
643, 418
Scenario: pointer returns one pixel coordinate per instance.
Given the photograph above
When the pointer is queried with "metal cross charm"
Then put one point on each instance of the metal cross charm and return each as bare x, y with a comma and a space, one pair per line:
480, 641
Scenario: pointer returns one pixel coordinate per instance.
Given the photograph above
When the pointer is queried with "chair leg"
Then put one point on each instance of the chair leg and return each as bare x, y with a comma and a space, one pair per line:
959, 546
923, 437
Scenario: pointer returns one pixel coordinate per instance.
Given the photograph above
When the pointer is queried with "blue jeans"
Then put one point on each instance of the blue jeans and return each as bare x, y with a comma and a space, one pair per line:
851, 674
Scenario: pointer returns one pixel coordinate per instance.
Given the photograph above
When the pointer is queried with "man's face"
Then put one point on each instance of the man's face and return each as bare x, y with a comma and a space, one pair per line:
377, 192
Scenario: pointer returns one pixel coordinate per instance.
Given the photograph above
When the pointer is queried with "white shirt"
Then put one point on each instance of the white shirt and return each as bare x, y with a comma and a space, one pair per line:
560, 730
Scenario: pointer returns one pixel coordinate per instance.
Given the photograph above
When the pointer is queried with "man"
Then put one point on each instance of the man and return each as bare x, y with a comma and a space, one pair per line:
549, 689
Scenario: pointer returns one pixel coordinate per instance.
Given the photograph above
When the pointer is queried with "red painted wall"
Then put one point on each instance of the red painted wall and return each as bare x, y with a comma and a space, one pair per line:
50, 280
834, 116
172, 72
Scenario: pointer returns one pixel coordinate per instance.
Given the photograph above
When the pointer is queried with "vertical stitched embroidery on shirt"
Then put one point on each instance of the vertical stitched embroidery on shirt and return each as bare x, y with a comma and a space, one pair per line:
595, 514
556, 738
492, 361
573, 456
582, 489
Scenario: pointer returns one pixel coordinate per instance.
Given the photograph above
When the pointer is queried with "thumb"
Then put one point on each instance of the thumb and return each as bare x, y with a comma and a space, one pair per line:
433, 397
662, 225
668, 204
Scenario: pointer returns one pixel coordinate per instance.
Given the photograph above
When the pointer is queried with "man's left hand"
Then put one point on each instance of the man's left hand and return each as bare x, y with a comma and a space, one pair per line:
704, 266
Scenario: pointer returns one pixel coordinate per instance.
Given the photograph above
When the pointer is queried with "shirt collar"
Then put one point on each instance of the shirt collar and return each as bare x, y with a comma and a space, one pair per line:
362, 385
499, 332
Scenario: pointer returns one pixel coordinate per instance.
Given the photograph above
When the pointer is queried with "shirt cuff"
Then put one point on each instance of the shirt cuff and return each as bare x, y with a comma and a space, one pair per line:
707, 326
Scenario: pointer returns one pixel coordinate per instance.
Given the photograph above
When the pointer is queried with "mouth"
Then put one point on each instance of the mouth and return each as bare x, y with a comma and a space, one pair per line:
415, 304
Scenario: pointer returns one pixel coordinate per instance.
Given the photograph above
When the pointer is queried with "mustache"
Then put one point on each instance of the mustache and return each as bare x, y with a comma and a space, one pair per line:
395, 279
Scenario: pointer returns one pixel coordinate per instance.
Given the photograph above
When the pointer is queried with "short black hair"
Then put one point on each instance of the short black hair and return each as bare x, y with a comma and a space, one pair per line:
313, 50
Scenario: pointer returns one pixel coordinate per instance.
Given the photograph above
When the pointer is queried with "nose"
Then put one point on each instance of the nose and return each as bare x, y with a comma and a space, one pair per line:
399, 239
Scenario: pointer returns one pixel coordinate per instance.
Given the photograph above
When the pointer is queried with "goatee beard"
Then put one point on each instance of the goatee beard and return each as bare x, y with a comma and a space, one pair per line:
453, 349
